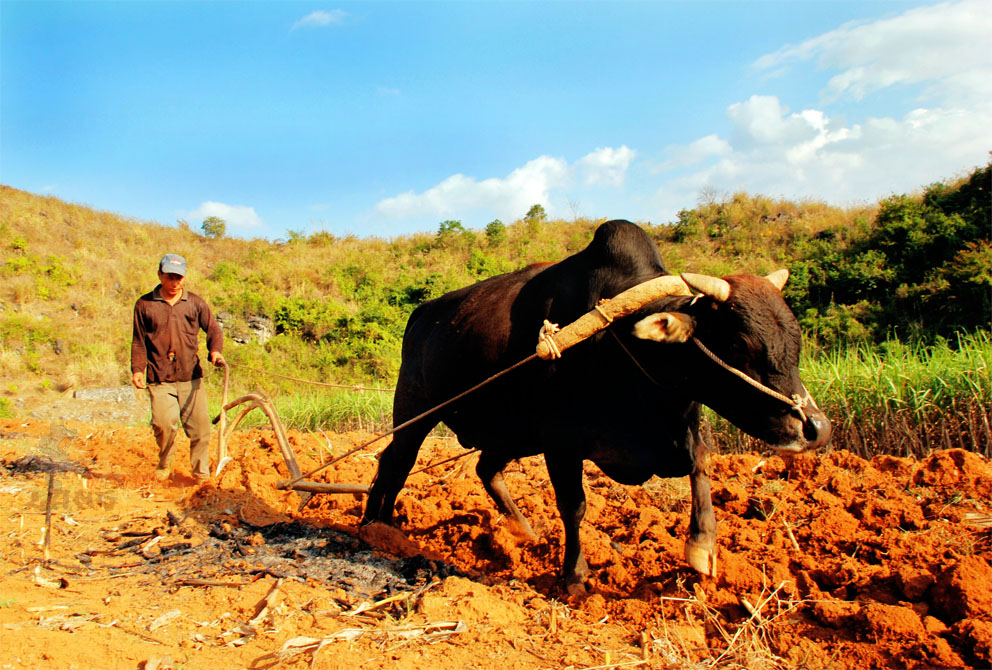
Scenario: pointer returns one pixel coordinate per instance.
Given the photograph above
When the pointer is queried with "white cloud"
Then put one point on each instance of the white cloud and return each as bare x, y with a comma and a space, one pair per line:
540, 181
810, 154
507, 198
239, 218
945, 45
606, 165
320, 18
814, 152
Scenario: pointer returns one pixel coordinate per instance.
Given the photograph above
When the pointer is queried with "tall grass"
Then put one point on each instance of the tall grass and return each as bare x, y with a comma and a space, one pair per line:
337, 411
906, 399
900, 399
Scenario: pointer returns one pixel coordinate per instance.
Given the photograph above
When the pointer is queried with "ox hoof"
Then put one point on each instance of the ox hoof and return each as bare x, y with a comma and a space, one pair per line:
575, 588
702, 559
521, 531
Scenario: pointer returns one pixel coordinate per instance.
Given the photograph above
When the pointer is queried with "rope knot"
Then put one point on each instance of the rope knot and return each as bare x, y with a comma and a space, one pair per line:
598, 307
547, 333
799, 404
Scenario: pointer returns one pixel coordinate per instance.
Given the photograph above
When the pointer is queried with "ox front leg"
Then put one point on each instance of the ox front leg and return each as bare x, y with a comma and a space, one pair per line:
490, 471
566, 478
700, 548
395, 463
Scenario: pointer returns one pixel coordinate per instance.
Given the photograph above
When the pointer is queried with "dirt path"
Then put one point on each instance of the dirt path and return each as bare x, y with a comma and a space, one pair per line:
826, 561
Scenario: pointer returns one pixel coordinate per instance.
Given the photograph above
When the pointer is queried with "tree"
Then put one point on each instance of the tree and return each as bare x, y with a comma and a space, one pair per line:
536, 214
451, 232
214, 227
495, 232
534, 218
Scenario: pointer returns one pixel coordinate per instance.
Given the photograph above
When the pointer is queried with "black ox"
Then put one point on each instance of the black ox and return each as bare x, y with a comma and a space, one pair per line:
628, 398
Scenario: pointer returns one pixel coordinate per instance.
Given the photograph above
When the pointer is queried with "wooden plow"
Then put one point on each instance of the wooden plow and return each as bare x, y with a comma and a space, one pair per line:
259, 400
552, 342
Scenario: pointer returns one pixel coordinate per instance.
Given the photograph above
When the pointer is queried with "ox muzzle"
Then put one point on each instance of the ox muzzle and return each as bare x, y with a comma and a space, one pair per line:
812, 427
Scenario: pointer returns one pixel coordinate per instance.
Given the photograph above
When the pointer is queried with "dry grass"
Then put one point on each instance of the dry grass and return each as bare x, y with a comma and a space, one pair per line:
708, 640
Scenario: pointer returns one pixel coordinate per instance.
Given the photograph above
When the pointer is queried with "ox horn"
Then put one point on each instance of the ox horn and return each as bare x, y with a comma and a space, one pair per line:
716, 288
778, 278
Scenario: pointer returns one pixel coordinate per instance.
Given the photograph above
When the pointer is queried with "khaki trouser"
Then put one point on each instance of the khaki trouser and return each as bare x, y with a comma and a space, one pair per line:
173, 402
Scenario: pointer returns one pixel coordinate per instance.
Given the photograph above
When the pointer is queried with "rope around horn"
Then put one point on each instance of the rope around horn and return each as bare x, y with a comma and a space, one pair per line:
796, 402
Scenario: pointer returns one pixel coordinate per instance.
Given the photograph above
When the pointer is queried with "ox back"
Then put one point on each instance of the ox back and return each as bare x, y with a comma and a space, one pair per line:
626, 401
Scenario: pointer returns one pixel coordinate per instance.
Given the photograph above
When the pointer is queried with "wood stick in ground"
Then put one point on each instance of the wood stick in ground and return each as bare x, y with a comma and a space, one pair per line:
48, 515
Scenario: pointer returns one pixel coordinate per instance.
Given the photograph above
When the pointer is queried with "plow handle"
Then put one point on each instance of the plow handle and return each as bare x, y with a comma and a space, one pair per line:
221, 420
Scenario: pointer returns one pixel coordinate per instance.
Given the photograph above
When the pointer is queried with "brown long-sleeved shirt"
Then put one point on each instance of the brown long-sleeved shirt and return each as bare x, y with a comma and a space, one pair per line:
164, 337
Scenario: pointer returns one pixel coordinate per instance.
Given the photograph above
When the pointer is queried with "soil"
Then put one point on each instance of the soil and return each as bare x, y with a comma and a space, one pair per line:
826, 561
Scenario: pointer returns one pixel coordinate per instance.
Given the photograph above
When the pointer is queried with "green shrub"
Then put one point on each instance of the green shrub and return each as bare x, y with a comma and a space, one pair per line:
687, 227
495, 233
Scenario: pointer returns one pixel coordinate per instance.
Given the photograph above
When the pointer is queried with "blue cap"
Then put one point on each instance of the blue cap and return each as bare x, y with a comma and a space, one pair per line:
172, 264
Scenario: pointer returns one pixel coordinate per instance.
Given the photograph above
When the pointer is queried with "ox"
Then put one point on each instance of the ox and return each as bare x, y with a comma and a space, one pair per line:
628, 398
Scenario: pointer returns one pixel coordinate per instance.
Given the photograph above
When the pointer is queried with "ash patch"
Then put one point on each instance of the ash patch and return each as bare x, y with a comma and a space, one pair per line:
297, 551
41, 463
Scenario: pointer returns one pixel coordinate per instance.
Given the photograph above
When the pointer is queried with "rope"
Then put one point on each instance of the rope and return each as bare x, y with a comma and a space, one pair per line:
796, 402
307, 381
447, 460
547, 334
633, 359
409, 422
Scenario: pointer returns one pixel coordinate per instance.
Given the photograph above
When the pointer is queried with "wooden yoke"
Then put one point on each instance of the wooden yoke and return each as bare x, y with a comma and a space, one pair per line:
623, 304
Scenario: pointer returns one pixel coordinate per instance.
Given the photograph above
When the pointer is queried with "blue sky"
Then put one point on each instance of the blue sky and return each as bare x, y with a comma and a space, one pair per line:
383, 119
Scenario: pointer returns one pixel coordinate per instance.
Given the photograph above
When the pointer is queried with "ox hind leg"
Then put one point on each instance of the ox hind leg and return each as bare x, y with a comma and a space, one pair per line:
395, 463
490, 471
700, 548
566, 477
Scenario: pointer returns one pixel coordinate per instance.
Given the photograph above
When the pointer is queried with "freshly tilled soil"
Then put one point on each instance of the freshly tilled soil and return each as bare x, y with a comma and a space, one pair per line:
826, 561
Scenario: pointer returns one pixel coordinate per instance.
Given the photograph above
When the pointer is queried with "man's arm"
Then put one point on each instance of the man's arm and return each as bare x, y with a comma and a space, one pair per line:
139, 353
215, 335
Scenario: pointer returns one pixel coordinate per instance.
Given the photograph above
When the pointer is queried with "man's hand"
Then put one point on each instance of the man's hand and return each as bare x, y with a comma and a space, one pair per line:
138, 379
217, 359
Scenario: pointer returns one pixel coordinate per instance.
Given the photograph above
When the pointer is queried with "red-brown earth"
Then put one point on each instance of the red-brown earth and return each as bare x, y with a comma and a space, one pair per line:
826, 561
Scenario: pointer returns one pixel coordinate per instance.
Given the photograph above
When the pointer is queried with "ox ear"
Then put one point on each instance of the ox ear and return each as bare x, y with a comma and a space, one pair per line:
778, 278
665, 327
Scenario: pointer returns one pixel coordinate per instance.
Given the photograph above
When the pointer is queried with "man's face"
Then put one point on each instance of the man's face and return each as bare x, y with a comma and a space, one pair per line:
171, 282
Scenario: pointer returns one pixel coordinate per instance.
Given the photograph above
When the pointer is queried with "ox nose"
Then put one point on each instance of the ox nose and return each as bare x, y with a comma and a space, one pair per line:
816, 430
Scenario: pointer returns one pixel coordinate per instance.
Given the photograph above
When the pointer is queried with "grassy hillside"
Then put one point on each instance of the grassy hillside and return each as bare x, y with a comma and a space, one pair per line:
69, 276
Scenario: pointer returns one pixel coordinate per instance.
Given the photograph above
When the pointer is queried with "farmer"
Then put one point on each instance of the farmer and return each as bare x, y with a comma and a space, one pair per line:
164, 341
